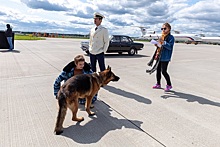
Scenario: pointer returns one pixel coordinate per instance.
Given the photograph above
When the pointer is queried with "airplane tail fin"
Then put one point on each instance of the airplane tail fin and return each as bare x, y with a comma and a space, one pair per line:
176, 32
143, 30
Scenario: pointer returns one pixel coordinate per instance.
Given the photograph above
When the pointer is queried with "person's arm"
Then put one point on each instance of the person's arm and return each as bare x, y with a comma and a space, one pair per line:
90, 38
58, 81
6, 32
87, 71
106, 39
169, 43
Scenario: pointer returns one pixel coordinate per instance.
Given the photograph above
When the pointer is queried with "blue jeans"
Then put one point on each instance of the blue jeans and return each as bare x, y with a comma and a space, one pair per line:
10, 43
101, 60
83, 101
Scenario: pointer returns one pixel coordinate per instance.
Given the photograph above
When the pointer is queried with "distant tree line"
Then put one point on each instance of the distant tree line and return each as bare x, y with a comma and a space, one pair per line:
53, 35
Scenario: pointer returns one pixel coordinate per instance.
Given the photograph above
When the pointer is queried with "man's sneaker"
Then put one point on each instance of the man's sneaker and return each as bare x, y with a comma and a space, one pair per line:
157, 86
168, 87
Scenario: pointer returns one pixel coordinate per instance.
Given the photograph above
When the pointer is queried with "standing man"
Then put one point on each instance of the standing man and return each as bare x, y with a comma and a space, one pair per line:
99, 42
8, 34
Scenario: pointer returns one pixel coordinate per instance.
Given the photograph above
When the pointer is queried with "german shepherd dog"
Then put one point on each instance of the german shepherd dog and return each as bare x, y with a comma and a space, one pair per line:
80, 86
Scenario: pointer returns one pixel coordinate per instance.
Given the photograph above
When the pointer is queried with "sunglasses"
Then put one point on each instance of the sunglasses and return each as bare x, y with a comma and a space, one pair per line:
163, 28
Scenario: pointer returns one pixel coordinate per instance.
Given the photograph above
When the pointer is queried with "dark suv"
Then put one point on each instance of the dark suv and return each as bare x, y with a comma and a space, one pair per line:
119, 44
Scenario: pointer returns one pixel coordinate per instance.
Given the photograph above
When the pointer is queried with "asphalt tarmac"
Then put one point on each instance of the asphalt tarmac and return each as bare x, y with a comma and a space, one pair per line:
128, 112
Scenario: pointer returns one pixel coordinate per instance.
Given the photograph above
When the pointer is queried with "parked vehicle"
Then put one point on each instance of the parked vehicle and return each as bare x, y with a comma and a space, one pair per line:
118, 44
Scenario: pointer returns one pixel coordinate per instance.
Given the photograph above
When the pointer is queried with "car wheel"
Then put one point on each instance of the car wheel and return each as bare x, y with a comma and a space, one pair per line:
131, 51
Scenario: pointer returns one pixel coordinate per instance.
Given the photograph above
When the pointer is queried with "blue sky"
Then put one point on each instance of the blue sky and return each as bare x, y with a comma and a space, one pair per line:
75, 16
192, 2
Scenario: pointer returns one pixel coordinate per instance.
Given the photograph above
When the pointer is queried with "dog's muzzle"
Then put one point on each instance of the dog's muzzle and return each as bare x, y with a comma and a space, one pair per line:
116, 78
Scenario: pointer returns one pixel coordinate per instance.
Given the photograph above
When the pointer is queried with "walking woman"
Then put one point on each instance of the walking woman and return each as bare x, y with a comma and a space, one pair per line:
164, 54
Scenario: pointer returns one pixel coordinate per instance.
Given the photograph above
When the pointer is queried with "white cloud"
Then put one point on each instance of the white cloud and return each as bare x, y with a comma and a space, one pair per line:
68, 16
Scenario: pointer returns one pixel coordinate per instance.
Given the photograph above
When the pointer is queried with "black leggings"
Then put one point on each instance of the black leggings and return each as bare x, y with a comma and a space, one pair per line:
162, 67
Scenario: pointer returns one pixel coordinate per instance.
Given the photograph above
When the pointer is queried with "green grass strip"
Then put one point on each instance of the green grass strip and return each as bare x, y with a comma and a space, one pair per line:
27, 37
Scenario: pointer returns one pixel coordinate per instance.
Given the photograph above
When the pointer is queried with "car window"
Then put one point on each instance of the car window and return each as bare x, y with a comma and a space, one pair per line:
115, 39
124, 39
130, 39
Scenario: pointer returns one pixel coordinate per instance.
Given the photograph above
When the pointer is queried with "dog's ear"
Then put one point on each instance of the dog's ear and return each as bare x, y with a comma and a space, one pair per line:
109, 68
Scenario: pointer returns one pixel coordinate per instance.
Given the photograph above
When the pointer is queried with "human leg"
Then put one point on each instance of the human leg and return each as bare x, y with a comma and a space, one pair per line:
82, 101
93, 62
94, 98
164, 66
158, 76
101, 61
10, 43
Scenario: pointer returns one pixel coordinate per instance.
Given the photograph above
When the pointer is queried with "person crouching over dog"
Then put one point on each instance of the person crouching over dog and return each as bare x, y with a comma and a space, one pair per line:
76, 67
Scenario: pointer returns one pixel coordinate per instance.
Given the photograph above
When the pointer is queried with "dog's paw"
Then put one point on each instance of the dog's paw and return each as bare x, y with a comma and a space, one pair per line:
58, 132
79, 119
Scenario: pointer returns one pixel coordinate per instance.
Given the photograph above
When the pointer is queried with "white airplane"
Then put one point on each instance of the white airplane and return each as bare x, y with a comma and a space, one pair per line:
187, 38
213, 40
202, 38
177, 35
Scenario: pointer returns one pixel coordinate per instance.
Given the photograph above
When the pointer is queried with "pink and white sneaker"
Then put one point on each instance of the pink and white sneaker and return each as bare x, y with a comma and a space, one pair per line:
168, 87
157, 86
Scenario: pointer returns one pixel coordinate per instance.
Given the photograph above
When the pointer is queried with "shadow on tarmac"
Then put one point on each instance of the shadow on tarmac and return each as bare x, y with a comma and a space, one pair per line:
13, 51
189, 98
124, 56
111, 55
99, 126
127, 94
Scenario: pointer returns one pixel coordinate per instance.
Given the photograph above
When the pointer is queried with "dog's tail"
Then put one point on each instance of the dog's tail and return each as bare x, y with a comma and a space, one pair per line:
61, 113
